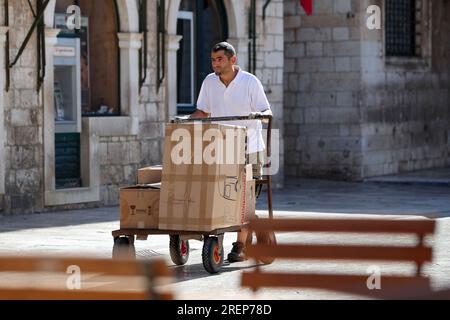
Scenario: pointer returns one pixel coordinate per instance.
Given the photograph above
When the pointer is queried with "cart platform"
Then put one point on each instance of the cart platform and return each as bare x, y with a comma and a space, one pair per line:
147, 232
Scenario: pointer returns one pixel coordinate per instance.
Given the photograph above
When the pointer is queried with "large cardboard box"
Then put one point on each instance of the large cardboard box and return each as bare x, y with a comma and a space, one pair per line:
150, 175
139, 207
206, 190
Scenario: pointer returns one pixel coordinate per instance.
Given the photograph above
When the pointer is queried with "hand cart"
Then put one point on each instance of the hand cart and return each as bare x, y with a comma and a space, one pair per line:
212, 253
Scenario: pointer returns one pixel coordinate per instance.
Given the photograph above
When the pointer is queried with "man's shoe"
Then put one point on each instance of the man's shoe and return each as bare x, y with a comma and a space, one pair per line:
237, 253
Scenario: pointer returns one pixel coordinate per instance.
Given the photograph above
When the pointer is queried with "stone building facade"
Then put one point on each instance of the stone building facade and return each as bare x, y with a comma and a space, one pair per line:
346, 107
111, 148
352, 110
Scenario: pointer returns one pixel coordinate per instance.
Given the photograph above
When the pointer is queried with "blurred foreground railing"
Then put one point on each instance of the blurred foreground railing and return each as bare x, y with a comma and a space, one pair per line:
391, 286
50, 278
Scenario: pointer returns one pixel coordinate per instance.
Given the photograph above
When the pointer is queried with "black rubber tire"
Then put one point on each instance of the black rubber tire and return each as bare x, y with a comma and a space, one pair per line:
212, 255
178, 254
124, 248
266, 238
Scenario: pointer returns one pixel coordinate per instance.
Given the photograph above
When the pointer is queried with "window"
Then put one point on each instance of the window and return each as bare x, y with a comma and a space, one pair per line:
404, 29
99, 55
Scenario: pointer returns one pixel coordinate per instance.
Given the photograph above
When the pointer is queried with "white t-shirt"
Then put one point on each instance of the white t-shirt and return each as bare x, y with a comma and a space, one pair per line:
244, 95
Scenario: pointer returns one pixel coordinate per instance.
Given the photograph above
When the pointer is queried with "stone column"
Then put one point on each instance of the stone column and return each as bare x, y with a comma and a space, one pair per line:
129, 44
173, 45
3, 31
49, 111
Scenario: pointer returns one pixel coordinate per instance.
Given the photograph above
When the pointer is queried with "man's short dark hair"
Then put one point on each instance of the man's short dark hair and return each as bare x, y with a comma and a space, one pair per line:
226, 47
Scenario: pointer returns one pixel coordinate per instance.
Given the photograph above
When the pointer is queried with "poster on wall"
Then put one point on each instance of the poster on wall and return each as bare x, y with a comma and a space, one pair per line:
59, 102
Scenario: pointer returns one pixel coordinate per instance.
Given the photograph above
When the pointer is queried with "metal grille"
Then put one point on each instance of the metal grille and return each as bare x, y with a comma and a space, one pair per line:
401, 28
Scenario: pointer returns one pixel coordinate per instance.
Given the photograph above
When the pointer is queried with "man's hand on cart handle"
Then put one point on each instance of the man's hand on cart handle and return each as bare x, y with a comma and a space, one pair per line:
199, 114
255, 115
182, 118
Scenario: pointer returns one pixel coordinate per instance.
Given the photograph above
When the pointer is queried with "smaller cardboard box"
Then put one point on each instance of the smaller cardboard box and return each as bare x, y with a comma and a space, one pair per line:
150, 175
139, 207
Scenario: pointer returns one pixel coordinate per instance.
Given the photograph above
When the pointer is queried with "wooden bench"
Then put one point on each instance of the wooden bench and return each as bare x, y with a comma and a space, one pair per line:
50, 278
392, 286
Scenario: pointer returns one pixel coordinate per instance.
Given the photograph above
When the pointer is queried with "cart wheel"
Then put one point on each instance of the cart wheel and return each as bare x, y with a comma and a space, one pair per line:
179, 250
212, 255
123, 248
266, 238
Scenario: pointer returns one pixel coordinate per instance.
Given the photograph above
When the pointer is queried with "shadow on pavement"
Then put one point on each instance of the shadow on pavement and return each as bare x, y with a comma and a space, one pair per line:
197, 271
58, 219
321, 196
299, 197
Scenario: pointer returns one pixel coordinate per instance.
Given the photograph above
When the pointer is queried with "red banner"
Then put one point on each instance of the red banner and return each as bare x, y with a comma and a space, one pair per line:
307, 6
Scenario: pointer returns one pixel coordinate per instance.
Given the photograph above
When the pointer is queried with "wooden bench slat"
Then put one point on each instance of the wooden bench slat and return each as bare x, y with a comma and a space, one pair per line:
49, 294
390, 285
339, 225
435, 295
152, 273
43, 264
329, 252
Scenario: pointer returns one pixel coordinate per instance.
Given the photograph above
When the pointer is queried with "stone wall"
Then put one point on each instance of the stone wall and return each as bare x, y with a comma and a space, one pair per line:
322, 86
405, 103
270, 67
119, 156
23, 120
350, 111
2, 130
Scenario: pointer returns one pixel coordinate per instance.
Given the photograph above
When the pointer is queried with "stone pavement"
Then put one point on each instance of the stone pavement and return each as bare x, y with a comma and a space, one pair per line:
440, 176
88, 233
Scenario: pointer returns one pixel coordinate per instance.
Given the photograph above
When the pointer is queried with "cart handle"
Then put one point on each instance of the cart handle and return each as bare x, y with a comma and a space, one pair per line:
237, 118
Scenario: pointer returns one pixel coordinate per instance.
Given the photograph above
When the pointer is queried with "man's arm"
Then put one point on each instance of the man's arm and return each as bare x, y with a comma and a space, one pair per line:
260, 103
199, 114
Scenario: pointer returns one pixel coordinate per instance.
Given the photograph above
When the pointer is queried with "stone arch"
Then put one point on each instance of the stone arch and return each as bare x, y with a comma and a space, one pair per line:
127, 11
235, 12
172, 16
49, 14
128, 15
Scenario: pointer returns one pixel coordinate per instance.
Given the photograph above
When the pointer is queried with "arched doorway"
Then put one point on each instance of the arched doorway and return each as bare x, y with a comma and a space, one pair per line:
99, 54
128, 41
201, 24
86, 85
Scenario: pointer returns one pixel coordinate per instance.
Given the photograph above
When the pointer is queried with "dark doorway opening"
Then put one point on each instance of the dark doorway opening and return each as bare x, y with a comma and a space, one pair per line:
202, 24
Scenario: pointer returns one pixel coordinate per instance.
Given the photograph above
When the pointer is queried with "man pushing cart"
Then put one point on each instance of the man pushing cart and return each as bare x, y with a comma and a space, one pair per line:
229, 96
230, 92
